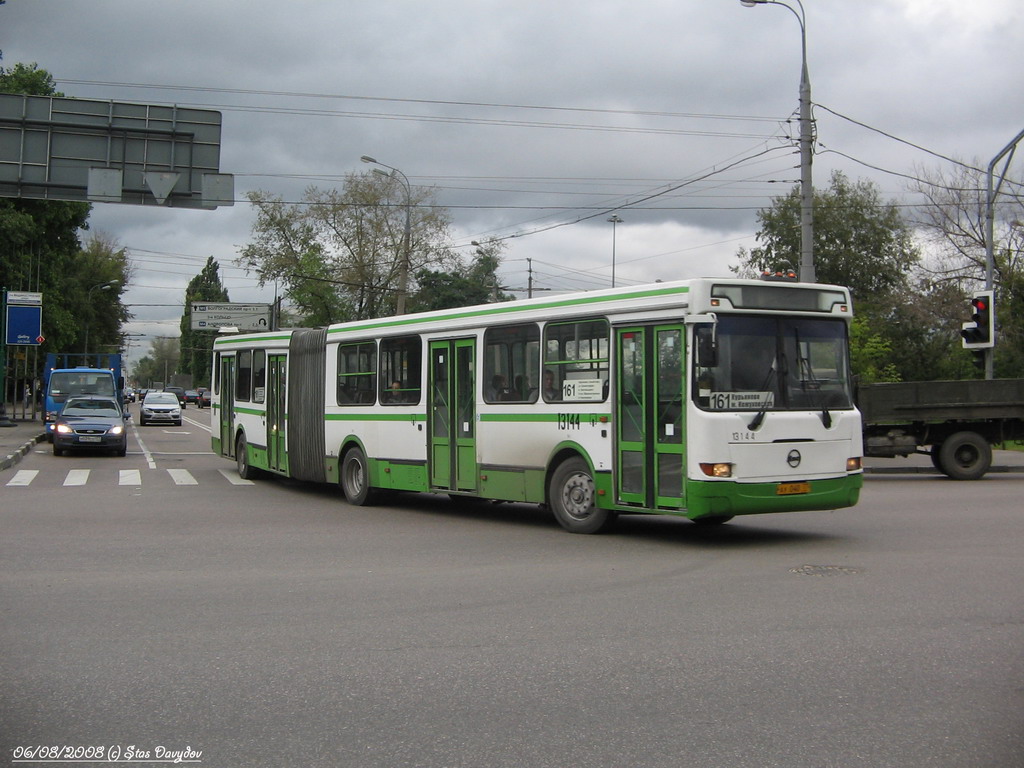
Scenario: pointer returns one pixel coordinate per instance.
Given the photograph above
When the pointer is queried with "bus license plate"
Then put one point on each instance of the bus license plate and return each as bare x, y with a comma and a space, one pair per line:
789, 489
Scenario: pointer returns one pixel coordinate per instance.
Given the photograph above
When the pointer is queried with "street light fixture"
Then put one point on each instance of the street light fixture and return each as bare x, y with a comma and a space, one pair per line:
88, 301
403, 266
806, 140
615, 220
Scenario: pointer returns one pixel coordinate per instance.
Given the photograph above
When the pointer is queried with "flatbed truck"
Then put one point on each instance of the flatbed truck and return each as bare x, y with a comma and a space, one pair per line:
954, 422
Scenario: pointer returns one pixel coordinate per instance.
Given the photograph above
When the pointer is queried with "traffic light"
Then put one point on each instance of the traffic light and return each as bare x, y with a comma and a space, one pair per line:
979, 333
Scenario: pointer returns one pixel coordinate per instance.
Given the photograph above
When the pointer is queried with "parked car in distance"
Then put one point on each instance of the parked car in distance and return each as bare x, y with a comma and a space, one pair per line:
160, 407
179, 392
191, 396
90, 422
204, 398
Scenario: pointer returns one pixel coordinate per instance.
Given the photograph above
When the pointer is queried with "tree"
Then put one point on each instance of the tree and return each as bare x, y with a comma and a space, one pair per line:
338, 253
197, 346
859, 240
472, 283
159, 365
99, 275
865, 243
28, 79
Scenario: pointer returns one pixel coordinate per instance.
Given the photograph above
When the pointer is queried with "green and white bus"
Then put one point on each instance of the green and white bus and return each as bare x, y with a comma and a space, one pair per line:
705, 399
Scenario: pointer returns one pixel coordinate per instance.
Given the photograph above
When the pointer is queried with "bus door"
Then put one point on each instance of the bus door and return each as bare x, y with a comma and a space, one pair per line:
649, 408
226, 381
277, 453
452, 409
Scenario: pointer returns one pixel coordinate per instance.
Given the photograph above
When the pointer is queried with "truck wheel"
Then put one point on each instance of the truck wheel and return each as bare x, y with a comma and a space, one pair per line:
571, 496
965, 456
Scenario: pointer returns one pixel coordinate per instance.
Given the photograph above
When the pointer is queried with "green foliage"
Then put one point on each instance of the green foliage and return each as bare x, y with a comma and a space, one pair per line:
197, 346
338, 254
870, 354
27, 79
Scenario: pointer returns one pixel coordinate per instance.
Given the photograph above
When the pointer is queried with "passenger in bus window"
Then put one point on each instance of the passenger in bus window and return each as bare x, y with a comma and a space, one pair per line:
498, 389
550, 390
395, 394
521, 391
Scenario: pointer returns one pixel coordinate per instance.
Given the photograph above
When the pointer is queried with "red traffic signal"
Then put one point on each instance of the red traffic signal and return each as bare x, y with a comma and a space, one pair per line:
979, 333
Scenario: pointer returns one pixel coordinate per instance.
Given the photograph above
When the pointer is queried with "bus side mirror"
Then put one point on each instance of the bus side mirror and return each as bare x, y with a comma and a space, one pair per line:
707, 347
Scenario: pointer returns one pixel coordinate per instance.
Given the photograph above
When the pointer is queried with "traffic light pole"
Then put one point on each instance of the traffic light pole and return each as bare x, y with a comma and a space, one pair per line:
990, 200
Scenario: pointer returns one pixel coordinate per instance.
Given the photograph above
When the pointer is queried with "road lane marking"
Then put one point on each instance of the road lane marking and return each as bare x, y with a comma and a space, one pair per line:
23, 477
145, 451
182, 477
77, 477
129, 477
232, 477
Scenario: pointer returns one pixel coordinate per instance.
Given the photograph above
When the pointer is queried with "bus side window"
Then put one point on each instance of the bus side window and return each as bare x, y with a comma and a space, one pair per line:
400, 371
243, 375
576, 361
357, 373
511, 363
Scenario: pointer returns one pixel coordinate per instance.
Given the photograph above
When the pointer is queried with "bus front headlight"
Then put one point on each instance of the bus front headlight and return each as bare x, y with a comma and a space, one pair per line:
721, 469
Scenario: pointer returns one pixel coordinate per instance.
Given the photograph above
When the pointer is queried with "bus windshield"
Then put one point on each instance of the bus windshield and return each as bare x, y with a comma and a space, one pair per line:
768, 363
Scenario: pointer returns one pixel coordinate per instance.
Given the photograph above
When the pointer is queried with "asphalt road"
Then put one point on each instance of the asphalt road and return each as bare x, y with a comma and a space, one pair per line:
271, 624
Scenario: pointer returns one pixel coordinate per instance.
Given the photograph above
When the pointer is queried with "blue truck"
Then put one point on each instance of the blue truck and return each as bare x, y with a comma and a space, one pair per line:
79, 373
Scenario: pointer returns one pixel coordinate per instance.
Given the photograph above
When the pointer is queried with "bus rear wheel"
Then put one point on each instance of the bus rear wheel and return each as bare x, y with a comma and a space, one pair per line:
572, 496
355, 478
245, 469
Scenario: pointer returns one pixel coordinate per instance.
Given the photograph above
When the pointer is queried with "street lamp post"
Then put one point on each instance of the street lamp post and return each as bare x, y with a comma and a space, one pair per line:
615, 220
806, 140
403, 266
88, 300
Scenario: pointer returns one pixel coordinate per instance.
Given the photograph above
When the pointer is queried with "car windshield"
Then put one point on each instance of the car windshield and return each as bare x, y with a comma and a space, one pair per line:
107, 408
161, 398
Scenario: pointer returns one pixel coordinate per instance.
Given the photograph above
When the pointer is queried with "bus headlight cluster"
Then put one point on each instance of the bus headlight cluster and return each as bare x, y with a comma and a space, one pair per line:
721, 469
853, 464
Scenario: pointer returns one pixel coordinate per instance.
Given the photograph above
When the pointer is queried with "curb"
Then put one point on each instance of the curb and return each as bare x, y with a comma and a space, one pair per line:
13, 458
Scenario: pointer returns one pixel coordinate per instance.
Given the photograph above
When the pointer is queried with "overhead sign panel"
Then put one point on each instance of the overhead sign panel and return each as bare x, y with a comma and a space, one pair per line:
58, 148
244, 317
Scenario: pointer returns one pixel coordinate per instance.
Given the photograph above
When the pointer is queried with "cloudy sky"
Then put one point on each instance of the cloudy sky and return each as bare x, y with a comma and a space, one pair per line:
534, 121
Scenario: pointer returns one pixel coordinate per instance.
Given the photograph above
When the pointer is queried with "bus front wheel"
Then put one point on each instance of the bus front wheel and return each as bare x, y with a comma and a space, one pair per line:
572, 497
355, 478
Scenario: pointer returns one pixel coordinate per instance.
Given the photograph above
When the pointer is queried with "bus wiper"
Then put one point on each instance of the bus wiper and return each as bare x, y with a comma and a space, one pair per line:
759, 417
807, 376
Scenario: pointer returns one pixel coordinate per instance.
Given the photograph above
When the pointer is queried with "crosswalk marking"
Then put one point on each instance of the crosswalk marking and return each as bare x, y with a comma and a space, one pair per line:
129, 477
232, 477
23, 477
182, 477
77, 477
125, 477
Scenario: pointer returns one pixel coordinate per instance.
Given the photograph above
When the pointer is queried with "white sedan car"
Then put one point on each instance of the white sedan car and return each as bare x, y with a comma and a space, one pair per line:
160, 406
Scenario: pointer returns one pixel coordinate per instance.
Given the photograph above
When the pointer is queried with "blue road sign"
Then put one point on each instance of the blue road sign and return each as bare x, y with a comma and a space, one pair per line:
24, 325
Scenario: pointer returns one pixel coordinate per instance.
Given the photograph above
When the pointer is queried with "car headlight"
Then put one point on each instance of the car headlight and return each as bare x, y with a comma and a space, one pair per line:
64, 429
116, 430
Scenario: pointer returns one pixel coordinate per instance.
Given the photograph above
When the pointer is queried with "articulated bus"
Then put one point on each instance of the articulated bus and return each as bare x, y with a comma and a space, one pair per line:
705, 399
